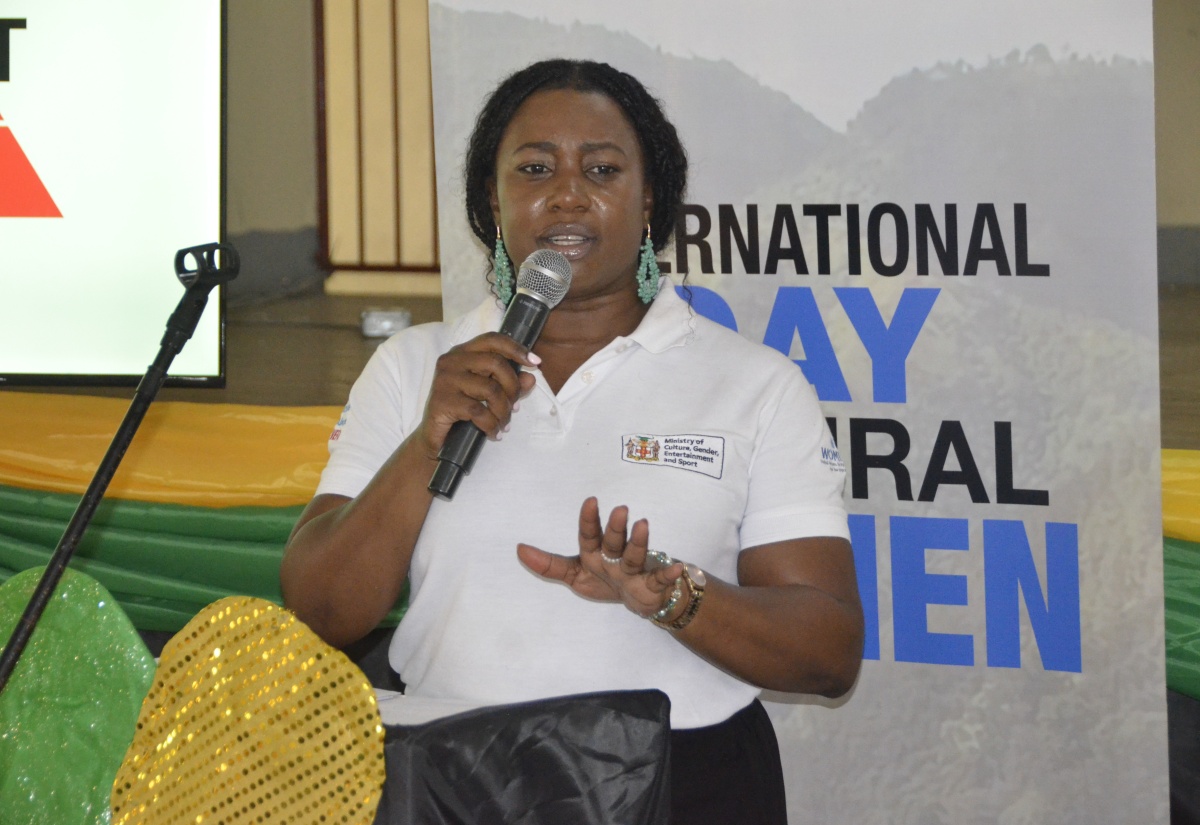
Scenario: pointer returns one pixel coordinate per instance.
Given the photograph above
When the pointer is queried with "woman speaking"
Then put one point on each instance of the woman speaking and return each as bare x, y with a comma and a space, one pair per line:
661, 503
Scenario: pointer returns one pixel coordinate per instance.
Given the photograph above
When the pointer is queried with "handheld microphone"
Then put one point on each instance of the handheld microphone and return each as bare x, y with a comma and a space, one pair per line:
542, 282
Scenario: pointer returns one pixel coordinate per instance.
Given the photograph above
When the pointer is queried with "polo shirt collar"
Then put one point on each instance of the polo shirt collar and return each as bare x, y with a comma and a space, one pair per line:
669, 322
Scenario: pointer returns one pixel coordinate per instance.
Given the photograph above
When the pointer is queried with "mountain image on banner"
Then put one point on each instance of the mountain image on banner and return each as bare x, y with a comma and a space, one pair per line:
22, 193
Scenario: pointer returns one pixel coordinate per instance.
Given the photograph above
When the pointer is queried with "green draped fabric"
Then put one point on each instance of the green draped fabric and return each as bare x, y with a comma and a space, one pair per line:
1181, 586
162, 562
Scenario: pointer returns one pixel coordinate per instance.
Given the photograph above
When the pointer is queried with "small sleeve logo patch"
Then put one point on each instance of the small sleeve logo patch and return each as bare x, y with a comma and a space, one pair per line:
697, 453
337, 428
832, 459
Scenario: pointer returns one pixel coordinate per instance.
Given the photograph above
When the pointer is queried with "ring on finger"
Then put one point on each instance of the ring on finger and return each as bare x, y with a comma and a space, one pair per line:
656, 559
607, 559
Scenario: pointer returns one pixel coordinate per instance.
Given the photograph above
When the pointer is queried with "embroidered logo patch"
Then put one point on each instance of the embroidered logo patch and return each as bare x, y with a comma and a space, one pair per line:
698, 453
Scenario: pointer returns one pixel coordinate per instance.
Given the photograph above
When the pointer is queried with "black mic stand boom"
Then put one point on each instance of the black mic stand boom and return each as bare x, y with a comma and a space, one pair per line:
215, 264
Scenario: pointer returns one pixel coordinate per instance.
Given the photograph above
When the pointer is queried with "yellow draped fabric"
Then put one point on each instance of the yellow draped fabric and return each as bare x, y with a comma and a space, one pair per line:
228, 455
1181, 494
206, 455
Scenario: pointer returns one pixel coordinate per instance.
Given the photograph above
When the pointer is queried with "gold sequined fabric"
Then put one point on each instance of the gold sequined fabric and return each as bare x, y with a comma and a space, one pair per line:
252, 719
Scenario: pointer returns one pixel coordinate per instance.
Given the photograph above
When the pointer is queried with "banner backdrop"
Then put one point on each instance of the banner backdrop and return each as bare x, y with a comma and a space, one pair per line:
944, 213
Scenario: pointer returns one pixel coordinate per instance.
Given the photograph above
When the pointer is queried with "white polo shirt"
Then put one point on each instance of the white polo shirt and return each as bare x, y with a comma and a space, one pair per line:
717, 441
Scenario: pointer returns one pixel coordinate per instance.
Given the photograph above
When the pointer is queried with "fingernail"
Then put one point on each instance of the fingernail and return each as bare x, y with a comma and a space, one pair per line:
534, 358
504, 429
516, 406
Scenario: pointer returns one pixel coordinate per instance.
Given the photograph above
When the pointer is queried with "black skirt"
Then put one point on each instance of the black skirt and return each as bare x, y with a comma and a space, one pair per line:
728, 773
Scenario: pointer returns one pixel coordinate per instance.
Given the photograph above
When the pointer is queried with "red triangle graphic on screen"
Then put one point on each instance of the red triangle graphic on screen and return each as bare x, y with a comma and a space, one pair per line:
22, 194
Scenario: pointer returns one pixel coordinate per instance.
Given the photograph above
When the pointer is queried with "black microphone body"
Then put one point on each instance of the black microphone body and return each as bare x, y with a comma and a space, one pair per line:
541, 284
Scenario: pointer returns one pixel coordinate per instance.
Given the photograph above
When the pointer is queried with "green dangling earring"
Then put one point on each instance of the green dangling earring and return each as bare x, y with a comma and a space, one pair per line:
647, 273
502, 267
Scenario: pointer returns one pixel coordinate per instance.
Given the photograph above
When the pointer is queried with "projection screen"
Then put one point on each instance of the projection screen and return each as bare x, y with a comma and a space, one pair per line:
111, 128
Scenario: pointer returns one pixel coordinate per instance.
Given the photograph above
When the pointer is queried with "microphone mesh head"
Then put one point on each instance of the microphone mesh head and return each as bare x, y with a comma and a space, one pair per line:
545, 274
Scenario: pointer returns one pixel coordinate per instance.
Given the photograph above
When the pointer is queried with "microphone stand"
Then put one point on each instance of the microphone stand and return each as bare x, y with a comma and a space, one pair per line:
210, 271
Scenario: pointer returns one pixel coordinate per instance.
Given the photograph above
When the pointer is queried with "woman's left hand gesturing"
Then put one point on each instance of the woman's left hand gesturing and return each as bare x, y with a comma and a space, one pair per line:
612, 564
793, 622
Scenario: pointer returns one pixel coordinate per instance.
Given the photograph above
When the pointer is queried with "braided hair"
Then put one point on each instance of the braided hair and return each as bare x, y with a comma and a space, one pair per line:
663, 154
